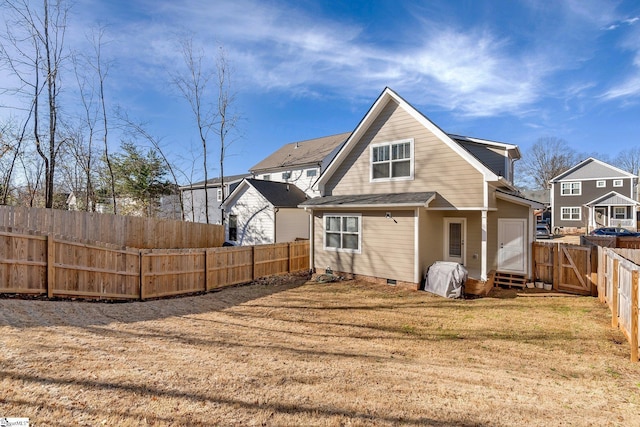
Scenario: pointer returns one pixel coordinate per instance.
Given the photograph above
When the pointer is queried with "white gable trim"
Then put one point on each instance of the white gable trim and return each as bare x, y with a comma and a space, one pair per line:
237, 193
584, 162
384, 98
597, 200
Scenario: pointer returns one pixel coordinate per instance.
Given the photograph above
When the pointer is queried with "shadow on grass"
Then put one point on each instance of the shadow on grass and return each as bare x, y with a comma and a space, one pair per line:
26, 313
267, 407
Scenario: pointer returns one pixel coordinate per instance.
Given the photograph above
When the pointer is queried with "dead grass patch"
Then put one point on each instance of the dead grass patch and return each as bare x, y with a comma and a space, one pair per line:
292, 353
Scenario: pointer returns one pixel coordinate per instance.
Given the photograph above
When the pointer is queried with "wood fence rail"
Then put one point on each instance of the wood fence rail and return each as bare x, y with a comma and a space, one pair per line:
124, 231
49, 265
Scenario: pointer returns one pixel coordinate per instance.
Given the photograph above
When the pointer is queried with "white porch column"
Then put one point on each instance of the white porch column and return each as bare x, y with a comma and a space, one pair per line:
483, 264
311, 239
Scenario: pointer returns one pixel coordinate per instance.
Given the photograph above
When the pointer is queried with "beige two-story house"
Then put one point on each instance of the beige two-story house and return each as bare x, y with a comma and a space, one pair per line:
402, 194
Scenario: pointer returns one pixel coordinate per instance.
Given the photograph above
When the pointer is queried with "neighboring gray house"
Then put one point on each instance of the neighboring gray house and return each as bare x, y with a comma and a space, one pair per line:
593, 194
300, 163
193, 198
261, 212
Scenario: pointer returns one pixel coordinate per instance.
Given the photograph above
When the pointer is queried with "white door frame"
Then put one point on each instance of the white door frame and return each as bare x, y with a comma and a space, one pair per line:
524, 246
445, 250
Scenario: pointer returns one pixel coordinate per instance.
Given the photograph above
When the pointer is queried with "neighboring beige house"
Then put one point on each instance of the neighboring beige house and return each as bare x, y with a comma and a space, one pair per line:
300, 163
401, 194
261, 212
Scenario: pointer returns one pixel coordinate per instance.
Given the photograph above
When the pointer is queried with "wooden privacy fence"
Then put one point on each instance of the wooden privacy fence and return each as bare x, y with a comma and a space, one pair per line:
570, 268
32, 264
130, 231
611, 241
618, 287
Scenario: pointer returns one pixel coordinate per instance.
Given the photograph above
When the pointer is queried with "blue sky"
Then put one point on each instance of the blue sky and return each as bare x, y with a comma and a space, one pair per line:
510, 71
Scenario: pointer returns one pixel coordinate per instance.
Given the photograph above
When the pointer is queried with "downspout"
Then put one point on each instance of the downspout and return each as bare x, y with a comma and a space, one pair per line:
311, 239
275, 224
483, 226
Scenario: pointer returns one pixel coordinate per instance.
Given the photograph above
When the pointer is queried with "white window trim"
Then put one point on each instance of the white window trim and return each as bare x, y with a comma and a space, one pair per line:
568, 208
570, 185
618, 183
601, 183
390, 144
312, 172
324, 233
616, 209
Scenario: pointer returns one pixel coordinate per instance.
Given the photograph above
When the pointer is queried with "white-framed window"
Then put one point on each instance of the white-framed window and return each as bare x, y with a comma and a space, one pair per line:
601, 183
620, 212
219, 194
343, 232
617, 183
392, 160
571, 214
311, 172
233, 228
571, 188
286, 176
266, 177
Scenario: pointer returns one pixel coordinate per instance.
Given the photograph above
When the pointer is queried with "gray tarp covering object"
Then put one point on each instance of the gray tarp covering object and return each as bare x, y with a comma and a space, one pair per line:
446, 279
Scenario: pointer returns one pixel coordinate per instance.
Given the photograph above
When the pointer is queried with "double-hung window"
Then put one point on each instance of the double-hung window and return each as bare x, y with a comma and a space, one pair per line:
620, 212
571, 188
342, 232
392, 160
571, 214
617, 183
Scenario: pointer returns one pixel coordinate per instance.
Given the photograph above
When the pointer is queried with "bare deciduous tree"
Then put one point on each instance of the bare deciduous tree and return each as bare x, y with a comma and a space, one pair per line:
629, 160
212, 110
193, 87
546, 159
33, 48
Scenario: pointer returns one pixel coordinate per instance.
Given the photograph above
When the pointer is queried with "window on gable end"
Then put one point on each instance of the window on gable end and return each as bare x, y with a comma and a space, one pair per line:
392, 160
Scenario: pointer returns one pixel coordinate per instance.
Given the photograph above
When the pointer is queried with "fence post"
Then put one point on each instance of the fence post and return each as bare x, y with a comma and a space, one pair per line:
290, 257
253, 262
206, 270
51, 268
141, 275
634, 315
555, 255
614, 296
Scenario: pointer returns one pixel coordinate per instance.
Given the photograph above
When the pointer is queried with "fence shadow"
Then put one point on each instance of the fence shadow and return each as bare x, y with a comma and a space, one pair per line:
24, 313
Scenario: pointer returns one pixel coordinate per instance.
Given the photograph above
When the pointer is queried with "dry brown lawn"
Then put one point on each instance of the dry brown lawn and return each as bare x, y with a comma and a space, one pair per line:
296, 353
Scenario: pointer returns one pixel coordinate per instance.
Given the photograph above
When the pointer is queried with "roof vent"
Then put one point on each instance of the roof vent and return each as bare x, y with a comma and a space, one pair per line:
287, 187
297, 145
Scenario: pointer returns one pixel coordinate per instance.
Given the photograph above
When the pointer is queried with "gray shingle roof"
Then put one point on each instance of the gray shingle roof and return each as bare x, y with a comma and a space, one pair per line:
312, 151
279, 194
373, 200
216, 181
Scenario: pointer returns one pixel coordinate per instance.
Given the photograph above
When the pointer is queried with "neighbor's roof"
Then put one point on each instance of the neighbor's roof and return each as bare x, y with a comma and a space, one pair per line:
372, 200
279, 194
215, 181
592, 168
312, 151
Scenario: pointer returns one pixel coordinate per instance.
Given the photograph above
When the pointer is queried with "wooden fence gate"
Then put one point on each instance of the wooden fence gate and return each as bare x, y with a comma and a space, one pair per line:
569, 267
574, 272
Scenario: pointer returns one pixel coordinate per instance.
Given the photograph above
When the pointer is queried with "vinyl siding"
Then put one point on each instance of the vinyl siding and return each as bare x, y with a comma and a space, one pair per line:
255, 218
387, 246
589, 192
436, 167
291, 224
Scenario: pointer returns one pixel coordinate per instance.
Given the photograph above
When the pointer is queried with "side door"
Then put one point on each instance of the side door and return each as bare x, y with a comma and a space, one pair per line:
455, 236
512, 247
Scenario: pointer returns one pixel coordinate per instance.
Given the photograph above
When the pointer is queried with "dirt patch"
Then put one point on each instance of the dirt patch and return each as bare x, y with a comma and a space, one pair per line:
344, 353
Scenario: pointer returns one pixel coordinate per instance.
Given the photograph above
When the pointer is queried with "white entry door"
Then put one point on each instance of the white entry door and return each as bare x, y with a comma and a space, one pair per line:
512, 247
455, 236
